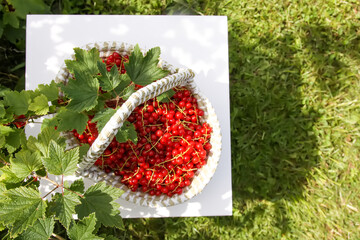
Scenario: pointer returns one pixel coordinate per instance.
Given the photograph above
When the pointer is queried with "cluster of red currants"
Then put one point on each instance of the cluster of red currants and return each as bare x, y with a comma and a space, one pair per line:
118, 60
173, 143
21, 121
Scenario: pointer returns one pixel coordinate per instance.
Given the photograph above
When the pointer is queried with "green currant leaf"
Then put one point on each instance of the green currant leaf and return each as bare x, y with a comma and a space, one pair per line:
83, 229
22, 8
8, 117
43, 140
60, 162
100, 105
83, 149
144, 70
64, 207
2, 109
100, 199
14, 140
30, 145
43, 148
40, 105
85, 61
41, 230
2, 141
102, 117
2, 188
128, 91
69, 120
77, 186
52, 108
18, 101
165, 97
11, 19
7, 176
25, 163
124, 83
108, 80
20, 209
17, 37
51, 91
48, 134
50, 122
5, 130
127, 132
83, 92
41, 172
33, 94
3, 89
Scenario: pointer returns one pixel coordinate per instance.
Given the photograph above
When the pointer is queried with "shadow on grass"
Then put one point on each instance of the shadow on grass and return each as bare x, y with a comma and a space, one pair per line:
330, 53
273, 148
276, 89
273, 114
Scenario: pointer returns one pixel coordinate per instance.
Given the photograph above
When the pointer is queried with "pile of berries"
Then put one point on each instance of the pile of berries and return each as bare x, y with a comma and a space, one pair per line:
21, 121
173, 143
118, 60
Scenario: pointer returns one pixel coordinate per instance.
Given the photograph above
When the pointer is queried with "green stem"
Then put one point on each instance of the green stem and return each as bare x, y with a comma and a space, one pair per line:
6, 236
4, 162
59, 185
57, 236
30, 182
49, 180
80, 195
62, 184
24, 119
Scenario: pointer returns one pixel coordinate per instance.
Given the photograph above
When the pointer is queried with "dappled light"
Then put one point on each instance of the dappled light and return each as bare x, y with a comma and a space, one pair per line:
189, 42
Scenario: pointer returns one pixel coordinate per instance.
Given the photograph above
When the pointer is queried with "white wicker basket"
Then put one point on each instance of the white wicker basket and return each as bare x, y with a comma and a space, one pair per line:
177, 77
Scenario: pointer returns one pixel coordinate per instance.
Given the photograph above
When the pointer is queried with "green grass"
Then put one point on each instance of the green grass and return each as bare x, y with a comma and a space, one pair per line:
295, 112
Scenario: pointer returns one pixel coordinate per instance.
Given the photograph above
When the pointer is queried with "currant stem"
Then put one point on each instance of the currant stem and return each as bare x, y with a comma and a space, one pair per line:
49, 180
57, 236
50, 192
27, 184
134, 151
7, 235
152, 145
4, 162
25, 119
80, 195
62, 184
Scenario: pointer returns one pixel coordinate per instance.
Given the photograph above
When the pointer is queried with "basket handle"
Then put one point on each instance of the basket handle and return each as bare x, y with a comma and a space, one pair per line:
181, 78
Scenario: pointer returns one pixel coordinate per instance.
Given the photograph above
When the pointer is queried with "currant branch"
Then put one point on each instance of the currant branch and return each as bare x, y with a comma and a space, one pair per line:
57, 236
50, 192
68, 189
4, 162
49, 180
32, 180
23, 118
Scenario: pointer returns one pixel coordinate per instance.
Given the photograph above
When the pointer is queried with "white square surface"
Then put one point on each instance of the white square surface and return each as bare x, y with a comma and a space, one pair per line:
195, 42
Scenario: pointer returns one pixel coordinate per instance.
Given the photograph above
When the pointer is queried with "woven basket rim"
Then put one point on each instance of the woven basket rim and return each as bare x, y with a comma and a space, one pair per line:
96, 174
